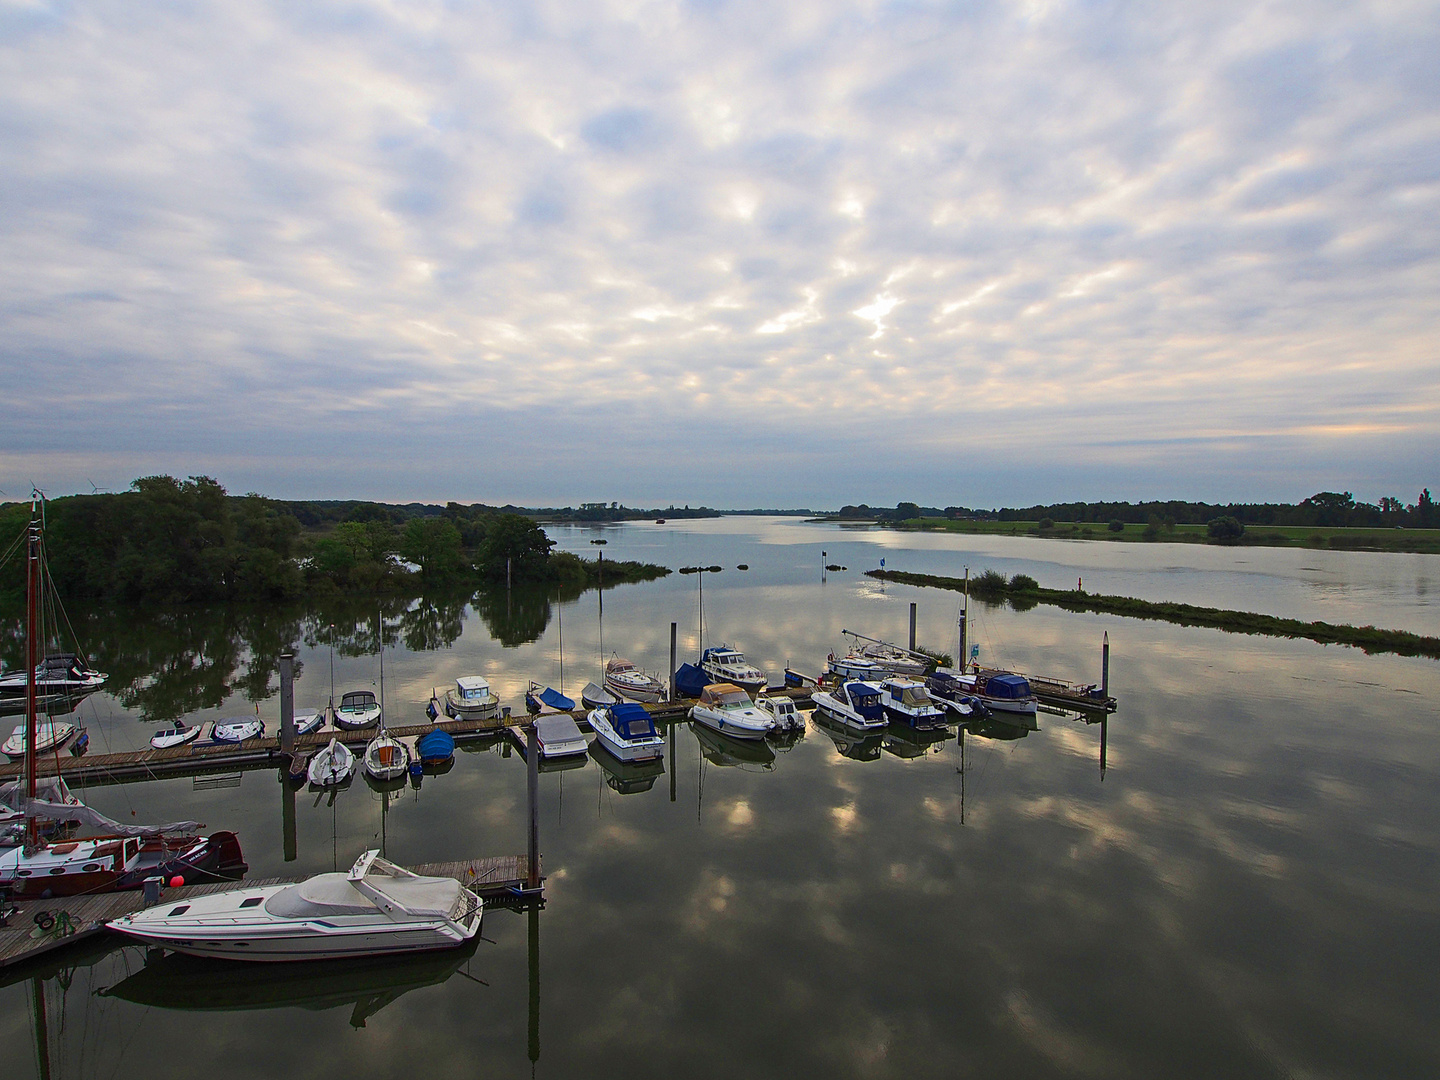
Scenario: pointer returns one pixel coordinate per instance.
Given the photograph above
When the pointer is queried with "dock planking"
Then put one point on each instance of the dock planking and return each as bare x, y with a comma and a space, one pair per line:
498, 879
199, 758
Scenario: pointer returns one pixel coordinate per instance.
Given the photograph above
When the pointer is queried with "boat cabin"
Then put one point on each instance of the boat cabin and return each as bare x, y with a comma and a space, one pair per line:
472, 689
631, 721
864, 698
724, 695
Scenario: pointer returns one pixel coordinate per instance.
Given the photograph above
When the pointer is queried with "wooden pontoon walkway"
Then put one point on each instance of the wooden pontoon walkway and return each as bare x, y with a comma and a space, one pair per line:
201, 757
76, 918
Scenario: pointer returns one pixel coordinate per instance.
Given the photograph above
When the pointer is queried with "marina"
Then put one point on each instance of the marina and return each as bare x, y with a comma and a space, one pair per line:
1074, 884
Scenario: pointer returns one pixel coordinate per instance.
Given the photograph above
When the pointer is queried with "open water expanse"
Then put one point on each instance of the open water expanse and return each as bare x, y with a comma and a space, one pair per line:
1249, 888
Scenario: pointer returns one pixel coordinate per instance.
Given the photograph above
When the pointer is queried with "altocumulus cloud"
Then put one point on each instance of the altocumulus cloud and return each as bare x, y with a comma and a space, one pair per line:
740, 253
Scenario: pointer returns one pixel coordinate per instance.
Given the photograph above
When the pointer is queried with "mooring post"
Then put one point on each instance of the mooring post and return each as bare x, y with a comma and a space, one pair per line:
670, 738
1105, 667
672, 661
534, 915
532, 783
287, 817
912, 627
287, 702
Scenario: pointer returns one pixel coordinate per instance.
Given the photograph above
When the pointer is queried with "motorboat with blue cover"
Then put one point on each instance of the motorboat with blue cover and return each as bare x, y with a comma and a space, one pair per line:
539, 698
1007, 697
959, 698
627, 731
728, 709
435, 747
690, 681
905, 701
855, 704
377, 908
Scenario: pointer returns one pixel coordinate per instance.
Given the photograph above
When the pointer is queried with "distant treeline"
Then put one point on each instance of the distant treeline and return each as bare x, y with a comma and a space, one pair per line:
1325, 509
172, 541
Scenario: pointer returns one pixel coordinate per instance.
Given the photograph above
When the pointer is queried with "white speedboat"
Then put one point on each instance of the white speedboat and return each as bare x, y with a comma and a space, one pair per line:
375, 909
234, 731
332, 765
358, 709
385, 757
559, 736
729, 710
624, 678
854, 704
178, 735
905, 701
49, 735
724, 664
471, 699
784, 715
627, 731
56, 674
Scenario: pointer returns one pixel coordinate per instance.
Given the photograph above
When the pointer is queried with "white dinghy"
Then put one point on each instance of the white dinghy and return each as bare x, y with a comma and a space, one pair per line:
332, 765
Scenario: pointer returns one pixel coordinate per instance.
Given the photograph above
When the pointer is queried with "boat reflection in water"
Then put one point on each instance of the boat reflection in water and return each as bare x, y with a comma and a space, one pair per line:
195, 984
993, 727
627, 777
722, 750
907, 742
849, 742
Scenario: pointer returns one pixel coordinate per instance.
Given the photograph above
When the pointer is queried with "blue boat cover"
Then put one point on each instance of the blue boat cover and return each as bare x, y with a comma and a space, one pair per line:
631, 721
436, 746
1007, 686
556, 700
690, 681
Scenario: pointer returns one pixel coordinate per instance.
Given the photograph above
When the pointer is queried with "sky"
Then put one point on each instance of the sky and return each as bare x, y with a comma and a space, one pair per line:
735, 254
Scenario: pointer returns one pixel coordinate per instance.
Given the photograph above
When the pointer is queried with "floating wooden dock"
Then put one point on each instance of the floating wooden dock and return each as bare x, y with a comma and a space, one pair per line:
75, 918
201, 758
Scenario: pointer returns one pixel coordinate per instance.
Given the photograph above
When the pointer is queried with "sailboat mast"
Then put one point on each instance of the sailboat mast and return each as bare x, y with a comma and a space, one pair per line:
32, 637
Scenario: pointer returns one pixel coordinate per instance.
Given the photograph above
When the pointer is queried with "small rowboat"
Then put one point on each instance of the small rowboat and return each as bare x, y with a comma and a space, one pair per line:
178, 735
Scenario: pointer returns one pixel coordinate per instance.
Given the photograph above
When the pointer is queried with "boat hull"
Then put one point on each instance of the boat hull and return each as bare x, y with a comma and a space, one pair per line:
733, 724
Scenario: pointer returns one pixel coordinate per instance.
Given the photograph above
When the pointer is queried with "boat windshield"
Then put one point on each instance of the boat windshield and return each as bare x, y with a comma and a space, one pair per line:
735, 697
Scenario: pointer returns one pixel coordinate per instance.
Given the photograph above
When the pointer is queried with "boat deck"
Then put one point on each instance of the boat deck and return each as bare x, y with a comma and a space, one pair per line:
497, 879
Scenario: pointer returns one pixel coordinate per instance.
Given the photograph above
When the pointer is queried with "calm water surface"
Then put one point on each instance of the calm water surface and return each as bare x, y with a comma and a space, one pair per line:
1248, 889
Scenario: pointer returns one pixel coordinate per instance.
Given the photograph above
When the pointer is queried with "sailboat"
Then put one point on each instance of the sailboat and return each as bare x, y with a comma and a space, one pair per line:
386, 758
539, 698
121, 856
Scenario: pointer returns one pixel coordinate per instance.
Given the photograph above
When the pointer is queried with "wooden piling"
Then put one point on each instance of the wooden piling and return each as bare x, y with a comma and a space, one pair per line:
532, 783
287, 702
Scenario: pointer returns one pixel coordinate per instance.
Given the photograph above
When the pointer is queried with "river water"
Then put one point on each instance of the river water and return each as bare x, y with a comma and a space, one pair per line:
1248, 888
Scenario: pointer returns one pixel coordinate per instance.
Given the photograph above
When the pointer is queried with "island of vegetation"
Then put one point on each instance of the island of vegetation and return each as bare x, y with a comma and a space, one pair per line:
1327, 519
180, 541
1023, 592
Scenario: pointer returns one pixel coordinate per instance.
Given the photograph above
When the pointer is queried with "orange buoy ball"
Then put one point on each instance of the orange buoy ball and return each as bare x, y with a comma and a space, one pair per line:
177, 881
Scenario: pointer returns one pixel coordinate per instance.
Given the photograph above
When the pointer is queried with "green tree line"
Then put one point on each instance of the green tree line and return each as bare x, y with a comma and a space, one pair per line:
179, 541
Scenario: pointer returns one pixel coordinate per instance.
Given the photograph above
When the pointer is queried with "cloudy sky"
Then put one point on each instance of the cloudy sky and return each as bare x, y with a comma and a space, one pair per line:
746, 254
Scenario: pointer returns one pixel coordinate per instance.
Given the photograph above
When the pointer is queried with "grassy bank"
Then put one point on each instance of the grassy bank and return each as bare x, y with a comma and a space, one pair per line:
992, 586
1416, 541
